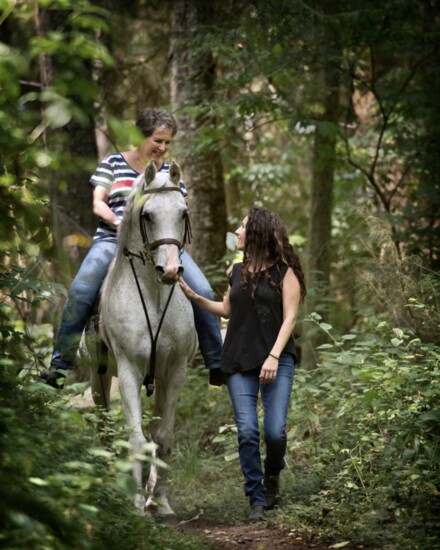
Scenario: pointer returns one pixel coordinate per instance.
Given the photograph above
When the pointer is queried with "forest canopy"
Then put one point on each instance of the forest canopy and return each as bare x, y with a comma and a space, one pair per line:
328, 113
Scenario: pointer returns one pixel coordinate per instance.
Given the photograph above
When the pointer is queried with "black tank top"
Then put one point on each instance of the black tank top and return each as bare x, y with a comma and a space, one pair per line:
254, 322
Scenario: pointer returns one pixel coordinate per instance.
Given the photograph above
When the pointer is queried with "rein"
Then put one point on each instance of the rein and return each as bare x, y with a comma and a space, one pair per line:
149, 378
144, 256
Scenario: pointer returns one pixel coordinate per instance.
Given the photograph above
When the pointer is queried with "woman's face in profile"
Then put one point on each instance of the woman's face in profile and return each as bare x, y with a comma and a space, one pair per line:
241, 234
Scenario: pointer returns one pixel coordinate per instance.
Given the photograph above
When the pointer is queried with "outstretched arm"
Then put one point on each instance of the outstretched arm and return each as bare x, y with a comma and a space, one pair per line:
222, 309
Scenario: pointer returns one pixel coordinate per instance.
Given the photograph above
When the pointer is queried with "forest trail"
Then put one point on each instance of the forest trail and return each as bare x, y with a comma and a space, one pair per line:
253, 536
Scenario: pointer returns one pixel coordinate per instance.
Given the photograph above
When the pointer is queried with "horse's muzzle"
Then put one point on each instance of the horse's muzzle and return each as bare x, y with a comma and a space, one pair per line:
170, 276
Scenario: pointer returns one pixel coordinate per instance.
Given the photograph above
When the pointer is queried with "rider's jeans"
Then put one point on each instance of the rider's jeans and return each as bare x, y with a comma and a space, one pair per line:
85, 290
207, 324
244, 389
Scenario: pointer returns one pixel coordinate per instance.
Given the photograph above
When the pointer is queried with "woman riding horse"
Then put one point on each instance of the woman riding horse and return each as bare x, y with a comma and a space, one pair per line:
113, 181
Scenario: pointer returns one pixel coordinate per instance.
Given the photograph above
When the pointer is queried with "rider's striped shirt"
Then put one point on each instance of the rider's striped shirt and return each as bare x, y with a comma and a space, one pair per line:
117, 176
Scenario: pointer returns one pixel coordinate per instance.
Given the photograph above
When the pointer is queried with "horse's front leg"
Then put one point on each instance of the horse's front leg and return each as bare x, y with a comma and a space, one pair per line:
162, 431
130, 386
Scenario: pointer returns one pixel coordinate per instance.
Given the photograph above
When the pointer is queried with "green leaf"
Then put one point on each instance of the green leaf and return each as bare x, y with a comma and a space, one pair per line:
370, 395
325, 326
123, 466
325, 346
38, 481
58, 114
233, 456
101, 453
396, 342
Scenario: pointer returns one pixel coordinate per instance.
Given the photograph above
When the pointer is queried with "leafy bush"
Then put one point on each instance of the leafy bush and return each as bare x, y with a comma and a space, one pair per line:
60, 486
367, 429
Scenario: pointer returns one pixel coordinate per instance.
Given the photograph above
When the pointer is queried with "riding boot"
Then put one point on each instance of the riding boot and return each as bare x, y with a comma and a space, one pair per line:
54, 378
272, 485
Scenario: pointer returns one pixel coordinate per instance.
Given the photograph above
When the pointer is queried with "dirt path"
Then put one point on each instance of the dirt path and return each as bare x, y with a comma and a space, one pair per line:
256, 536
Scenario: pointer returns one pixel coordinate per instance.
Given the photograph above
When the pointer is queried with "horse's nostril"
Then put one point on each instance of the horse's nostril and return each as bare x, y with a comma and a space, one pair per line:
169, 276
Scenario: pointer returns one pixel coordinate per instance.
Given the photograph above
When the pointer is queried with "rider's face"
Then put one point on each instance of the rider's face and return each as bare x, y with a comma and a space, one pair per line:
155, 146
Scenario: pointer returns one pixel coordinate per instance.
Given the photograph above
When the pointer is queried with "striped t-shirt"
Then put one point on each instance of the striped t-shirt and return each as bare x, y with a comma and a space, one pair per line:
118, 177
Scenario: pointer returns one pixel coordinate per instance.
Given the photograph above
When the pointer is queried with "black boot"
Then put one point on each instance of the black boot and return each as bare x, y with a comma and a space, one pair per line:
256, 514
272, 485
53, 377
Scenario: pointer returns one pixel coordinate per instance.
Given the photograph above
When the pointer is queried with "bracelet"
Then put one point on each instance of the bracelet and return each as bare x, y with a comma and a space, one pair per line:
274, 356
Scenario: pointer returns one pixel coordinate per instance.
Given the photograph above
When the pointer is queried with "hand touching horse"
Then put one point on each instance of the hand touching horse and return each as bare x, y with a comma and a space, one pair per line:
146, 321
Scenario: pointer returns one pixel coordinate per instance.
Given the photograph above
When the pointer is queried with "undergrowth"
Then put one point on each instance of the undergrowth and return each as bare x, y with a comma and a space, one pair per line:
363, 460
62, 486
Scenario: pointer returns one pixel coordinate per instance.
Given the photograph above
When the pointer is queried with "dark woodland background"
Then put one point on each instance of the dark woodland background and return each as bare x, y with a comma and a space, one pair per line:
328, 113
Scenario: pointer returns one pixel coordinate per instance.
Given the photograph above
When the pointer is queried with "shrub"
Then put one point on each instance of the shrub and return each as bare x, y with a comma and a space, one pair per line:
368, 425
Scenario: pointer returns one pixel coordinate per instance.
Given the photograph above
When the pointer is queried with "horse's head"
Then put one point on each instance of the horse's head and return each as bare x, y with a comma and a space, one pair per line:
164, 221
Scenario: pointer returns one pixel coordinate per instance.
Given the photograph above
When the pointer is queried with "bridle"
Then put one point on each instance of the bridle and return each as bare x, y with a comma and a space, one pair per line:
146, 256
148, 247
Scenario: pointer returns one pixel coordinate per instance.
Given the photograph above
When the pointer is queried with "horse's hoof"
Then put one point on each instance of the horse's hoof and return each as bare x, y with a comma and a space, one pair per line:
139, 503
169, 519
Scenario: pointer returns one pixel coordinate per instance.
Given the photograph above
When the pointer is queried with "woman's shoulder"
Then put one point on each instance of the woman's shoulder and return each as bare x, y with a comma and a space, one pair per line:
114, 158
234, 270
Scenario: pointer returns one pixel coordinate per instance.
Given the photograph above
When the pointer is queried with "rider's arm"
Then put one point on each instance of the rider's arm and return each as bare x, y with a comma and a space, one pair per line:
100, 205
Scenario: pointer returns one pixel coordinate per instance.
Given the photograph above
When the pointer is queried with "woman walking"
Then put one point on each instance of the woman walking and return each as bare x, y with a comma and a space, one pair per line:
258, 357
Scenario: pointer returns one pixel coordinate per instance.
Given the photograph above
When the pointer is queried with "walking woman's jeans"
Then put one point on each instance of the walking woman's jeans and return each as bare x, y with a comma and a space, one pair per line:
243, 390
85, 291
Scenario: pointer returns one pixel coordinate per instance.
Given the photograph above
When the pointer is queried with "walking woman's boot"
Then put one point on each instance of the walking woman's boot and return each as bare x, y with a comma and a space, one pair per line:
272, 485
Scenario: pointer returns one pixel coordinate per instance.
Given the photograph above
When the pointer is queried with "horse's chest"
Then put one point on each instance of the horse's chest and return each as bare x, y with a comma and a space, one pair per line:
168, 312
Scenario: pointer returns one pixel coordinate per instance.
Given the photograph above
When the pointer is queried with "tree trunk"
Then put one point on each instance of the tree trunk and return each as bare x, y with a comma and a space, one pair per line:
321, 205
192, 85
70, 194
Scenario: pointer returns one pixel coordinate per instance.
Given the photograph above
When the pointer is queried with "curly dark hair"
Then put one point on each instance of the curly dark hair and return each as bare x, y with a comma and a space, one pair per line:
267, 243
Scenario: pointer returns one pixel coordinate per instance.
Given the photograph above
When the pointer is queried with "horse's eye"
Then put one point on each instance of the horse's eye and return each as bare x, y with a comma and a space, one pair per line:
146, 216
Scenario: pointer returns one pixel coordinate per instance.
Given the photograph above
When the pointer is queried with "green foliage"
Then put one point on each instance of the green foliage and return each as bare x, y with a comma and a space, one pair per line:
363, 454
62, 486
367, 425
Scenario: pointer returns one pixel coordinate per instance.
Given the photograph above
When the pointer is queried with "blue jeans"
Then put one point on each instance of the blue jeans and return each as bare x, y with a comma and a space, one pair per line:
244, 389
85, 291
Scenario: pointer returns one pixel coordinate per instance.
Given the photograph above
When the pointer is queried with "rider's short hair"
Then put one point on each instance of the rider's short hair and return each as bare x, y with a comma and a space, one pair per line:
150, 120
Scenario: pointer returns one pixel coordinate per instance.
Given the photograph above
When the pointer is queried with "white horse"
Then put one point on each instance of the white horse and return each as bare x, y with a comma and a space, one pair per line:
147, 322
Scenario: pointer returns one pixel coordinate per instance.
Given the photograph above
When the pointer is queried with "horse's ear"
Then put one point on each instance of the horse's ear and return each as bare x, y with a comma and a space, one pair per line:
175, 173
150, 172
